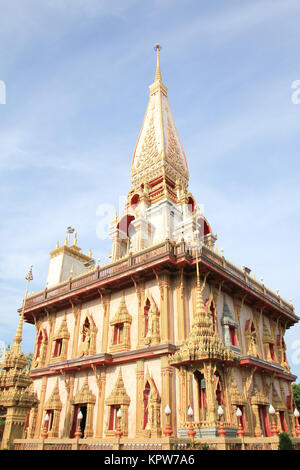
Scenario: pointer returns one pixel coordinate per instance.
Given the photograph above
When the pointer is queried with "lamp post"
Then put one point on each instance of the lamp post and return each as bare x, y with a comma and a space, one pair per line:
118, 432
78, 432
296, 414
240, 431
191, 431
168, 430
222, 431
274, 429
44, 433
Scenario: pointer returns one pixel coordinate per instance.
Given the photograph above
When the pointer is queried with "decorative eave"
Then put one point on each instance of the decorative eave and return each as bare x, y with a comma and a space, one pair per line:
118, 395
85, 395
54, 401
122, 315
267, 367
62, 332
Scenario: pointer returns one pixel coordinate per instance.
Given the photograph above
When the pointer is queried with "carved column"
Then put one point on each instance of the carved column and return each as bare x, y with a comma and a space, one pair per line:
88, 432
183, 395
168, 395
69, 384
166, 310
32, 422
211, 402
227, 397
41, 407
101, 382
181, 308
257, 426
237, 313
140, 292
256, 319
247, 379
52, 320
139, 397
106, 308
76, 310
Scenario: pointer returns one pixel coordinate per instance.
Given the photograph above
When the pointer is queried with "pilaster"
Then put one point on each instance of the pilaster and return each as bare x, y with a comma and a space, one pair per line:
41, 407
76, 310
168, 395
166, 310
139, 397
105, 297
101, 383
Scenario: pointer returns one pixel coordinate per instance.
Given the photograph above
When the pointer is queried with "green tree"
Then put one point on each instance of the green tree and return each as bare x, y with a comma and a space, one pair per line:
29, 358
296, 393
285, 442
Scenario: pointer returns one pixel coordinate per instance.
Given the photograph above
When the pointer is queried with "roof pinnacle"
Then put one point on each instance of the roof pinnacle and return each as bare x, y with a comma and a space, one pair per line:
157, 48
18, 336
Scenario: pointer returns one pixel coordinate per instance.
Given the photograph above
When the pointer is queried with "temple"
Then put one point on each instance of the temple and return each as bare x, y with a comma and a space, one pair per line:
167, 343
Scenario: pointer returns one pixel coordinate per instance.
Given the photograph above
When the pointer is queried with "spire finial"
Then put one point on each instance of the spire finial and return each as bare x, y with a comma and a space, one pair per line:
157, 48
18, 337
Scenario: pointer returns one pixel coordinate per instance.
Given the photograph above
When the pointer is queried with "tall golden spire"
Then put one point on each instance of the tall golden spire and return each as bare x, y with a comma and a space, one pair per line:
157, 48
18, 338
159, 152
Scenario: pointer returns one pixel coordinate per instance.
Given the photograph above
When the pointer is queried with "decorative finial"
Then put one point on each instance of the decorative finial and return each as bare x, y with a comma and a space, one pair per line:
57, 244
18, 337
157, 48
90, 253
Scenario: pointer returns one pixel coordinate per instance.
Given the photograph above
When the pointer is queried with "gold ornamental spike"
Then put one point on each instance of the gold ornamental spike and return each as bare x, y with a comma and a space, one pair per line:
157, 48
18, 337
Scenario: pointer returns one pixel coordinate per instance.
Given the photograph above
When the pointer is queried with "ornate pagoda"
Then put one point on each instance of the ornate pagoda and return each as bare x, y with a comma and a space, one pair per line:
168, 325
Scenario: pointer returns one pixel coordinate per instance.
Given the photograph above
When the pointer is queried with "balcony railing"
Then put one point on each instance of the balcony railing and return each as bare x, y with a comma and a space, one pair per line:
152, 254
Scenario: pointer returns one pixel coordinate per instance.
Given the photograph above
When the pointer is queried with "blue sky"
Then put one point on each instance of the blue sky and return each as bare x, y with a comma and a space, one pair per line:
77, 74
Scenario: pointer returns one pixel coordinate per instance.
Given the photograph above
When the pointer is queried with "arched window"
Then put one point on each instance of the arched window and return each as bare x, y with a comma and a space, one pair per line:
134, 201
201, 385
113, 410
219, 391
88, 332
41, 348
118, 333
191, 204
85, 329
233, 337
251, 336
57, 348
